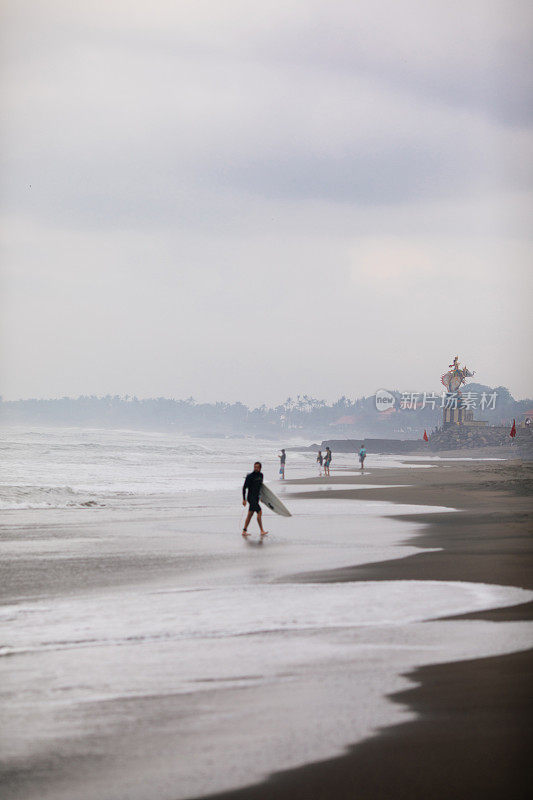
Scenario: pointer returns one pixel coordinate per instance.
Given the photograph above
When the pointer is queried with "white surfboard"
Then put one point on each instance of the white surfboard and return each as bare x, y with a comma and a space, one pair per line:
268, 497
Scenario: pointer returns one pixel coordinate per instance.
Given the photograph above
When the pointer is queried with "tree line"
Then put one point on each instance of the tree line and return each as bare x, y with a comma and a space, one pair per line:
301, 414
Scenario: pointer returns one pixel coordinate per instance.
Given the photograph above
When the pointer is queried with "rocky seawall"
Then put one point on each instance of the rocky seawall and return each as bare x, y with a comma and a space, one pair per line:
493, 439
460, 437
400, 446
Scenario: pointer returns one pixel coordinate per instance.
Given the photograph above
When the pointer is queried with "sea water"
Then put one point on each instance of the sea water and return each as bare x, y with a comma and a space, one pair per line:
148, 650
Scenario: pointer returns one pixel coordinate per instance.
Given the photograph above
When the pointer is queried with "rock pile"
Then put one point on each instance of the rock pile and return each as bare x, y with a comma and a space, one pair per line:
457, 437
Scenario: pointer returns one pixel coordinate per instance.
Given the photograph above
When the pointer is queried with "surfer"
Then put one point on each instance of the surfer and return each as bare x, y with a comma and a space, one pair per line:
282, 460
362, 456
253, 483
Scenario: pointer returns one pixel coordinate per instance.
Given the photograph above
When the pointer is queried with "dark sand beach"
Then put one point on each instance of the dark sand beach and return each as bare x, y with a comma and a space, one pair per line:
473, 734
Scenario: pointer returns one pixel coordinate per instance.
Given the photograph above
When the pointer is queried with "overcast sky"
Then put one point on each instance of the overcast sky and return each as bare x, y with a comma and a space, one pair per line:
244, 200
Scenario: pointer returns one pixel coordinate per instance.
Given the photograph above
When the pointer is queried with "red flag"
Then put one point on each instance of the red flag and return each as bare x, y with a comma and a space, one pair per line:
513, 430
425, 437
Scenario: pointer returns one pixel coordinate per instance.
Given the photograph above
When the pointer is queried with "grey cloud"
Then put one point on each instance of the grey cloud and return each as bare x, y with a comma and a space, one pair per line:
179, 154
148, 185
117, 124
373, 176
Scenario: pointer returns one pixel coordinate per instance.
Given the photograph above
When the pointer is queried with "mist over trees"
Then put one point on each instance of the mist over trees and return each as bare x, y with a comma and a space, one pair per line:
299, 416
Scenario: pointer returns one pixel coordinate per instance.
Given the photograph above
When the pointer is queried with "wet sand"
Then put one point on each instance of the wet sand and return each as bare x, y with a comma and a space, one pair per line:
472, 740
473, 736
488, 540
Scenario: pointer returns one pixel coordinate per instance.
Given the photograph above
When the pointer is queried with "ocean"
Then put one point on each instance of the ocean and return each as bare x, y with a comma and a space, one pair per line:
147, 650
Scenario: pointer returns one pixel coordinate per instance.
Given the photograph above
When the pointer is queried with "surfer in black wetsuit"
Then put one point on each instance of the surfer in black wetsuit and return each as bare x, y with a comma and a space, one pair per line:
252, 483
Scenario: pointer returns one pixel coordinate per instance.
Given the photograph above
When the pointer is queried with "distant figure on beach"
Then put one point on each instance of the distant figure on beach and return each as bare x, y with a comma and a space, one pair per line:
327, 461
282, 460
362, 456
253, 483
320, 461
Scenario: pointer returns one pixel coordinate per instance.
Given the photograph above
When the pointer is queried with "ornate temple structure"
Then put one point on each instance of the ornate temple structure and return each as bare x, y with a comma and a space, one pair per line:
456, 411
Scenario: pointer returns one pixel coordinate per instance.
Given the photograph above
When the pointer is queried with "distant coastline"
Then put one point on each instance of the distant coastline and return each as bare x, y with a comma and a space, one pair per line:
300, 417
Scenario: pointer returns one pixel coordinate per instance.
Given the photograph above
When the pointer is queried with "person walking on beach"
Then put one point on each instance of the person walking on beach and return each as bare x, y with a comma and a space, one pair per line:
282, 460
327, 462
320, 461
362, 456
253, 483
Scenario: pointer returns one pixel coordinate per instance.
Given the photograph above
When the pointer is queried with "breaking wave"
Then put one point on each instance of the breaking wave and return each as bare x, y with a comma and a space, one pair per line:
14, 497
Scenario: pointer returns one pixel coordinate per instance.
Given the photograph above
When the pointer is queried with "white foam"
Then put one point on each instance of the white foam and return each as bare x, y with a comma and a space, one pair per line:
125, 617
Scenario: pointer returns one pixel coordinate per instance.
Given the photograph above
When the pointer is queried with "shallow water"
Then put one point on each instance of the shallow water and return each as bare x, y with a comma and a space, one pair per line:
148, 650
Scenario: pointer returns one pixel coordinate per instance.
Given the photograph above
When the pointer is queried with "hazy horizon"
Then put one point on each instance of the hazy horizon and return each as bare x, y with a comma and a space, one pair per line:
211, 401
471, 385
241, 202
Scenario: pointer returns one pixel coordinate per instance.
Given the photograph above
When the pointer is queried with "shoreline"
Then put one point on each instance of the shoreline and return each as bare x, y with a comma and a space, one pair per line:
485, 540
473, 733
466, 743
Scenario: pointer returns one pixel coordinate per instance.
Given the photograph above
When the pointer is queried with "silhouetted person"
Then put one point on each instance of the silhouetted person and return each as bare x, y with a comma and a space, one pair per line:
282, 460
253, 483
327, 461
